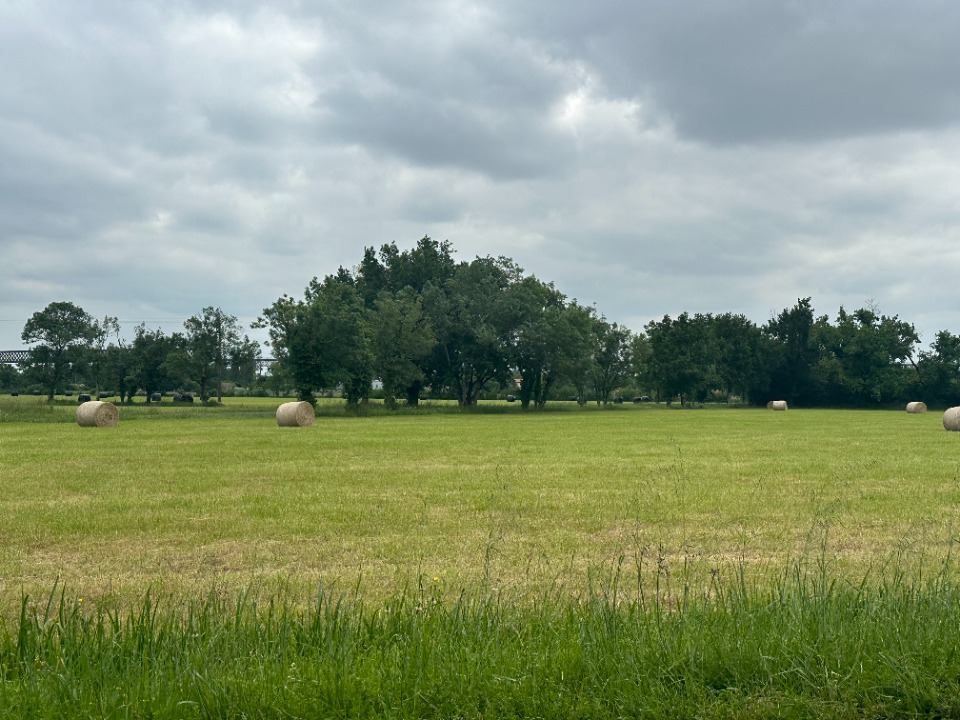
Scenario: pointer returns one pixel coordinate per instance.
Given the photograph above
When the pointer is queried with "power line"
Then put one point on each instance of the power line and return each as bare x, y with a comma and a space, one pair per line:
140, 320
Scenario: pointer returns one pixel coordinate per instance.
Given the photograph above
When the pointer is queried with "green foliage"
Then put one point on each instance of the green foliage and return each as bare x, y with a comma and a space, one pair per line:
210, 341
939, 370
394, 286
151, 350
60, 332
684, 357
870, 352
10, 379
551, 342
742, 356
795, 353
865, 359
810, 644
612, 361
429, 263
692, 357
323, 340
402, 340
473, 318
429, 326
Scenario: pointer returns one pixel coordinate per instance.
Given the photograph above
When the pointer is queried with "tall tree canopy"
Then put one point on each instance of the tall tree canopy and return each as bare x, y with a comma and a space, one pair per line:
323, 340
58, 332
210, 340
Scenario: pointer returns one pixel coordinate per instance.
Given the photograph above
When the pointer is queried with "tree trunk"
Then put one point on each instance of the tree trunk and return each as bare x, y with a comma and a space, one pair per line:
413, 393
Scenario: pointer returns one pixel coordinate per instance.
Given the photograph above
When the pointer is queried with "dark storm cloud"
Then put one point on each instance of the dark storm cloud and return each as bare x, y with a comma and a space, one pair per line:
760, 70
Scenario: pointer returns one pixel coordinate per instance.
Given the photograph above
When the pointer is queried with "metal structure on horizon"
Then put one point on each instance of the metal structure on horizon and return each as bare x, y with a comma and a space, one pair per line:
13, 357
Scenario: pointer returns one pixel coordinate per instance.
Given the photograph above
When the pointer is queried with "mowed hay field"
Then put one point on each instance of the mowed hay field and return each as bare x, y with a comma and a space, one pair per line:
181, 501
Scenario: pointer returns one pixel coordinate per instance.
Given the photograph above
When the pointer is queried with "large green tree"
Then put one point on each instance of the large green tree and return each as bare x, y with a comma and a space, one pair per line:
151, 350
59, 333
402, 339
684, 354
422, 273
742, 356
550, 341
9, 378
797, 350
472, 317
938, 370
873, 358
323, 340
612, 364
211, 339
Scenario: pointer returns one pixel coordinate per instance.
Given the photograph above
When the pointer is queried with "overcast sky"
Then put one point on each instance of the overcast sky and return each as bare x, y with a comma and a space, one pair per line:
649, 158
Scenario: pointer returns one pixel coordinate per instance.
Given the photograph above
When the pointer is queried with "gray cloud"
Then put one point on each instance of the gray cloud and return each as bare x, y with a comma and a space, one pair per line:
649, 158
436, 90
754, 70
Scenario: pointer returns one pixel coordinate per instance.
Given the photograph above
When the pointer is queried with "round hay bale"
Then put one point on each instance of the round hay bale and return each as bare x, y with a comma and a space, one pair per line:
951, 419
295, 414
97, 414
778, 404
916, 408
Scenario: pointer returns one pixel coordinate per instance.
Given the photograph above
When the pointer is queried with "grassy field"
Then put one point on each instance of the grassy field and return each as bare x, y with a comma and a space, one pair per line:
632, 561
192, 498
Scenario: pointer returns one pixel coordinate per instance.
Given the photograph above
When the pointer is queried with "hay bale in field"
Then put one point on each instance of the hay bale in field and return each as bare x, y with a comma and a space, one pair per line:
777, 405
97, 414
295, 414
916, 408
951, 419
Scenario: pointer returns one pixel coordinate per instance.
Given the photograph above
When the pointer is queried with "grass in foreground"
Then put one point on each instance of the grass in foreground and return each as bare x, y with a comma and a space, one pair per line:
513, 534
810, 644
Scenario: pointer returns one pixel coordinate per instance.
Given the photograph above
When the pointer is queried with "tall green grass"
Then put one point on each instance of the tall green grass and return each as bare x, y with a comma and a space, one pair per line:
501, 564
811, 643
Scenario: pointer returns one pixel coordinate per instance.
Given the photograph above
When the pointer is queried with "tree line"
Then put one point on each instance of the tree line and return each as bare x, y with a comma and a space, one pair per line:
72, 347
862, 359
420, 321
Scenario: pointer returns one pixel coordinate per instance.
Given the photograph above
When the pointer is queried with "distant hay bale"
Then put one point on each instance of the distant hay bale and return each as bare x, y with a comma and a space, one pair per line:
295, 414
97, 414
777, 405
916, 408
951, 419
